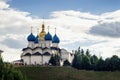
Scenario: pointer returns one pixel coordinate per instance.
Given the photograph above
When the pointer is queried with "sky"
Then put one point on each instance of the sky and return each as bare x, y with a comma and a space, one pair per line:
90, 24
42, 8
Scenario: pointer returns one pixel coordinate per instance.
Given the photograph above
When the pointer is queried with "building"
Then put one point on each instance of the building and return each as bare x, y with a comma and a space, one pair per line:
41, 47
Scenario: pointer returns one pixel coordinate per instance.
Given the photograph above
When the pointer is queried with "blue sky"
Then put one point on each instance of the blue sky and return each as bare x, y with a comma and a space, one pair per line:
42, 8
91, 24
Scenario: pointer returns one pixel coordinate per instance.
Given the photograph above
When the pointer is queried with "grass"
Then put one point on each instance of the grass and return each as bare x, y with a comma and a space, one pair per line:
66, 73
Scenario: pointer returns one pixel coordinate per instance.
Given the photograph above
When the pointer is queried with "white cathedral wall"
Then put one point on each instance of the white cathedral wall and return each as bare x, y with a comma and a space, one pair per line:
37, 50
65, 55
48, 44
71, 58
47, 50
61, 62
42, 44
27, 60
55, 45
55, 52
35, 60
46, 59
36, 45
31, 44
27, 51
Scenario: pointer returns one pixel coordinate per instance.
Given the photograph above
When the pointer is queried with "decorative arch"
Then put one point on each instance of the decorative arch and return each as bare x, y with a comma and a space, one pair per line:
46, 53
37, 53
27, 54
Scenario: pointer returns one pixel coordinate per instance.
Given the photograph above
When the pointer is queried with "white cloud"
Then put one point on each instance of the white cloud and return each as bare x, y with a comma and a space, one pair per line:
107, 29
3, 5
14, 26
107, 49
79, 26
72, 13
109, 17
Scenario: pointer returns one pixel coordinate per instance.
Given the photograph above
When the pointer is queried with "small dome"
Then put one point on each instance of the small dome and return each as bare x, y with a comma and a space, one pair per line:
48, 36
36, 39
55, 39
31, 37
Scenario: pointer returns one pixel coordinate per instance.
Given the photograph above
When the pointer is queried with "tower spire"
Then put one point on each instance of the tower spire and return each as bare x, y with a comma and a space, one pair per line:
31, 29
55, 30
48, 28
43, 27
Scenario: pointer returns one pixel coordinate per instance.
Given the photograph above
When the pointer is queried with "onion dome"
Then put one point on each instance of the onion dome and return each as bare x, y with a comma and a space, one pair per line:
42, 33
48, 36
31, 37
55, 39
36, 39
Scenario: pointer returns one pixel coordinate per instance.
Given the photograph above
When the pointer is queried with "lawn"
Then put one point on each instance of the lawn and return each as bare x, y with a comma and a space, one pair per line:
66, 73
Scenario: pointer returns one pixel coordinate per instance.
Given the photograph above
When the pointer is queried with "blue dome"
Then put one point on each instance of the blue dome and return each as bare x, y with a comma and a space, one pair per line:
55, 39
31, 37
48, 36
36, 39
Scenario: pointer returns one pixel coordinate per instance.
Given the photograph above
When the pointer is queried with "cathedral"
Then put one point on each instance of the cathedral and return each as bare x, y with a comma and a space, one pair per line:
41, 47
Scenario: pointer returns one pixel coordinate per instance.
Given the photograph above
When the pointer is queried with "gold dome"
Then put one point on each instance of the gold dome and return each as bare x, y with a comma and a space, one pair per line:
42, 33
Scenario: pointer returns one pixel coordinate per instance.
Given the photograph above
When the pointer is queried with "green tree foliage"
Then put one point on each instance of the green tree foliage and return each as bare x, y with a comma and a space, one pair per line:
77, 60
84, 60
81, 60
66, 63
82, 52
88, 53
55, 60
52, 60
1, 68
7, 72
78, 50
113, 63
100, 66
86, 63
93, 60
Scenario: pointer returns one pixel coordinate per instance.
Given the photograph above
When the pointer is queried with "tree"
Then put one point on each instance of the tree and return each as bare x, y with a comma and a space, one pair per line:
93, 60
100, 66
7, 72
66, 63
55, 60
1, 68
76, 63
88, 53
52, 60
108, 64
112, 63
82, 52
86, 63
78, 50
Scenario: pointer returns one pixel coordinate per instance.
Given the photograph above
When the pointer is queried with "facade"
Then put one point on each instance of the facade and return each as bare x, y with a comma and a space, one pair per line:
41, 47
